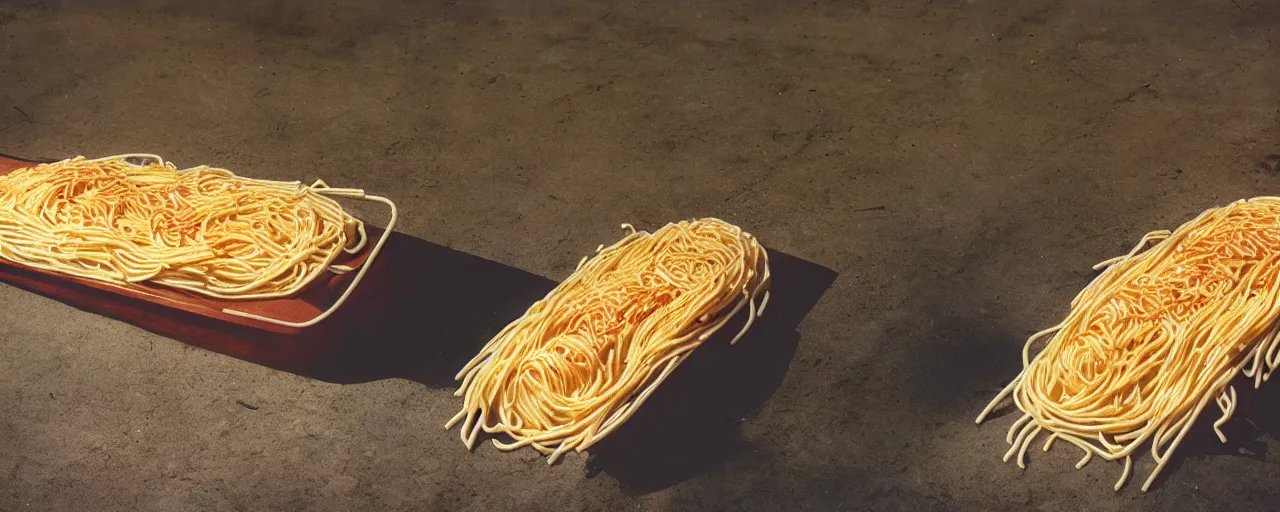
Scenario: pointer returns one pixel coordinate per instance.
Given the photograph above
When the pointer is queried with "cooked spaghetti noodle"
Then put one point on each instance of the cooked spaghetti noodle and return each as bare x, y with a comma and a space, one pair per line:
202, 230
1154, 339
582, 360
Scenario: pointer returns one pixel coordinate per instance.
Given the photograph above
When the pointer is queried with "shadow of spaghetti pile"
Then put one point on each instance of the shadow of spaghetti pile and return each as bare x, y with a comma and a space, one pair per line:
1255, 419
689, 424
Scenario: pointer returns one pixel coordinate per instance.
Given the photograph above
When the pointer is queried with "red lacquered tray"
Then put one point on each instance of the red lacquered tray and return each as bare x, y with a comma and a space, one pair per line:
227, 326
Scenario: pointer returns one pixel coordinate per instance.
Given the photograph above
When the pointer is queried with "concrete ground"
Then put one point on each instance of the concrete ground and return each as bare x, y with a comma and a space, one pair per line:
956, 165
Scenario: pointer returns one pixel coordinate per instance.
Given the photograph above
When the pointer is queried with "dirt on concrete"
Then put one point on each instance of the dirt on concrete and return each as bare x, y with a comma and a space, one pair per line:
942, 174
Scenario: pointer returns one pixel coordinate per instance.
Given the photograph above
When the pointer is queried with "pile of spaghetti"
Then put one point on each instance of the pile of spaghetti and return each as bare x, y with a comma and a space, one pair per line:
1154, 339
203, 230
583, 359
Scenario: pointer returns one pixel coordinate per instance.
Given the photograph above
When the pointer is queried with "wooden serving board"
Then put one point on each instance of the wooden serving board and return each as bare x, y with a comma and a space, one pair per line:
199, 319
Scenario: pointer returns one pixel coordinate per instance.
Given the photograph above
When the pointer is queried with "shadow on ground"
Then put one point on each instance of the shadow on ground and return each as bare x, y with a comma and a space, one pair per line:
421, 313
424, 310
689, 424
1254, 421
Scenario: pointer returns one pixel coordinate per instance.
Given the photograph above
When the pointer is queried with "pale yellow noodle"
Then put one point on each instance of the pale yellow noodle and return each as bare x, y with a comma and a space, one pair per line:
583, 359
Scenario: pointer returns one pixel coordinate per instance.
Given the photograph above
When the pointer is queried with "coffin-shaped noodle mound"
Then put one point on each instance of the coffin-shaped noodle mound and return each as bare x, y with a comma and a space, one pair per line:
583, 359
202, 230
1154, 338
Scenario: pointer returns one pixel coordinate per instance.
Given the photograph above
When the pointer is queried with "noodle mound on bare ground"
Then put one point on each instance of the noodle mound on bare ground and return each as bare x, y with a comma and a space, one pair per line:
582, 360
1154, 338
